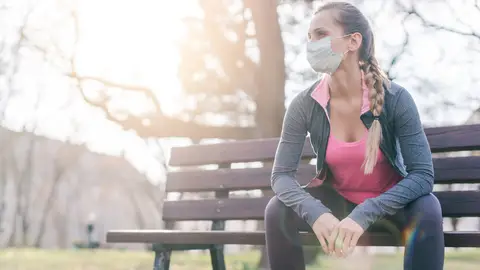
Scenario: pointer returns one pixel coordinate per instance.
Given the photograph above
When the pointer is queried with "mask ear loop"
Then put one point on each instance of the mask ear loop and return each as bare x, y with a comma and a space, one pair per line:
348, 50
345, 35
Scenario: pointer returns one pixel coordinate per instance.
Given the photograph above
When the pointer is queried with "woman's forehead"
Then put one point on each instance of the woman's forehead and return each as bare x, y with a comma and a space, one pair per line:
325, 21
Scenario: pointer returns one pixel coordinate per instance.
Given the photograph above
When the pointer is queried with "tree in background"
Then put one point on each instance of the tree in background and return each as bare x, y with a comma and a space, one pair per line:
233, 64
219, 76
234, 58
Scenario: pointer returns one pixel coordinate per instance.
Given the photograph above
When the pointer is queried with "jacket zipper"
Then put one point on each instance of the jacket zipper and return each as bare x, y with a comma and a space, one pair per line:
327, 129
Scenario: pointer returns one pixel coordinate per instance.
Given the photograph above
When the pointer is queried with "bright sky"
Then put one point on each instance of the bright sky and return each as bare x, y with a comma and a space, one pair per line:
149, 28
112, 30
128, 41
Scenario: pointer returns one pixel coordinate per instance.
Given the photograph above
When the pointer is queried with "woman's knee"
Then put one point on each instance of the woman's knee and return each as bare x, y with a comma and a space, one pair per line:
426, 209
274, 210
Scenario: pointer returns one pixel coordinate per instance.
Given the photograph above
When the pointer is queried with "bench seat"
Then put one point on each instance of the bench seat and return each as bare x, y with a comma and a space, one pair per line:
206, 238
450, 168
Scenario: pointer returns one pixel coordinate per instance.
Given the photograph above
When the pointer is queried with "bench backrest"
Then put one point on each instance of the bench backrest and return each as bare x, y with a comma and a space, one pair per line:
448, 170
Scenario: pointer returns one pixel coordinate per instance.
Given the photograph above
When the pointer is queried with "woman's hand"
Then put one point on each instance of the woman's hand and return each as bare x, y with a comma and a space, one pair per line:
344, 237
323, 227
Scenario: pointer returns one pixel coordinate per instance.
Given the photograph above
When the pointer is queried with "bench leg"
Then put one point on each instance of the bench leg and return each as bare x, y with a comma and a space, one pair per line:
217, 257
216, 251
162, 259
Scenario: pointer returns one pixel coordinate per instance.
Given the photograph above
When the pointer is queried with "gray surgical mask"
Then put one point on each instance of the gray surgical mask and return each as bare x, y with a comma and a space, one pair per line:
321, 57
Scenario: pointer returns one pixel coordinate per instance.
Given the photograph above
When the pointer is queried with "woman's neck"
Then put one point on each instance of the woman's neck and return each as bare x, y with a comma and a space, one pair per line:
346, 83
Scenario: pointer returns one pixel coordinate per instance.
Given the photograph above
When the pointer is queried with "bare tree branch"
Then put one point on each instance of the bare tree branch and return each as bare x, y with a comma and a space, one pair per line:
400, 52
157, 124
414, 11
15, 58
145, 90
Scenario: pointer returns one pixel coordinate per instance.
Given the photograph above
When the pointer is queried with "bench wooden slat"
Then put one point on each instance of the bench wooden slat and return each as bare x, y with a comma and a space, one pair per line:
214, 209
454, 138
447, 171
454, 204
455, 170
459, 203
236, 151
452, 239
229, 179
441, 139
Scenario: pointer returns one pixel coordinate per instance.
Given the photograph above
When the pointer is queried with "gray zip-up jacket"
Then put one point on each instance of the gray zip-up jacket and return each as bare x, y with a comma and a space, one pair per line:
404, 144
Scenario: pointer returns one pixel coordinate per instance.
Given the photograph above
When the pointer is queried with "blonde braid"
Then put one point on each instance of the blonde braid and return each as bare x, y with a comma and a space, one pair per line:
374, 78
352, 21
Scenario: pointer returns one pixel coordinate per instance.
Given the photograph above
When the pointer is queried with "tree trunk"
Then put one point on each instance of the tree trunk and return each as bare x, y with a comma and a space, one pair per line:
3, 185
270, 80
51, 194
26, 185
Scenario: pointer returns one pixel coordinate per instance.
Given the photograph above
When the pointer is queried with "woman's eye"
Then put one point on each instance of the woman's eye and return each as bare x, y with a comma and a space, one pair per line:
320, 35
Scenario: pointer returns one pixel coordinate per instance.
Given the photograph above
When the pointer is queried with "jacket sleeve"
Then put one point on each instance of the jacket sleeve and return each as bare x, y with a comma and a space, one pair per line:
287, 158
417, 159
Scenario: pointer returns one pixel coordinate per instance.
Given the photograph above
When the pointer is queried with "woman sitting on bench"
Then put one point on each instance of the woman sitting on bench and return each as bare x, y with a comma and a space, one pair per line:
373, 159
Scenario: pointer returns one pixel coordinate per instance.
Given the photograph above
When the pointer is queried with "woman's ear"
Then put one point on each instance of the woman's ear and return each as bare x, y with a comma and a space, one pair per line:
355, 42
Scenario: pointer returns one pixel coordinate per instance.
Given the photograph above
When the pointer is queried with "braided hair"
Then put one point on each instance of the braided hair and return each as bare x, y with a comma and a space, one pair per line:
353, 21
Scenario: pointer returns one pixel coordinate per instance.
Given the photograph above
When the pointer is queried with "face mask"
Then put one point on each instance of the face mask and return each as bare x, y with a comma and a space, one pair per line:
321, 57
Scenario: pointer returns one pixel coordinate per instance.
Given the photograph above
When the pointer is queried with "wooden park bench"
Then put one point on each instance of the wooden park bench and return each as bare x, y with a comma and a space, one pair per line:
448, 170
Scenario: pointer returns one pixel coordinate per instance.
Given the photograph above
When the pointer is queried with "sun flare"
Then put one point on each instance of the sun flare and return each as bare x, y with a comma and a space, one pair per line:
132, 42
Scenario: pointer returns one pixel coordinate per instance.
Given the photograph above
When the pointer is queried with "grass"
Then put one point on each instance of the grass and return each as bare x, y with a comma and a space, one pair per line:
30, 259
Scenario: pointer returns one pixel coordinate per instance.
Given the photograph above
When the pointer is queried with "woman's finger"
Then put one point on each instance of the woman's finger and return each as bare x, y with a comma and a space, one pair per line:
331, 240
347, 242
353, 242
339, 242
323, 242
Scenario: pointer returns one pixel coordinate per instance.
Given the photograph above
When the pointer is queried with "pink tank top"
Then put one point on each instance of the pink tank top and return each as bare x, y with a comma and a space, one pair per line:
345, 161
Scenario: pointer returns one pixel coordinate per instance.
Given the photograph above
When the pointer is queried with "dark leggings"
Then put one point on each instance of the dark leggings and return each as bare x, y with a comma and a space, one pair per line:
424, 248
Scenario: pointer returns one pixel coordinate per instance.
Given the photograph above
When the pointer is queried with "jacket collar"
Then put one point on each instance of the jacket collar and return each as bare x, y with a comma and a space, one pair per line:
321, 93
